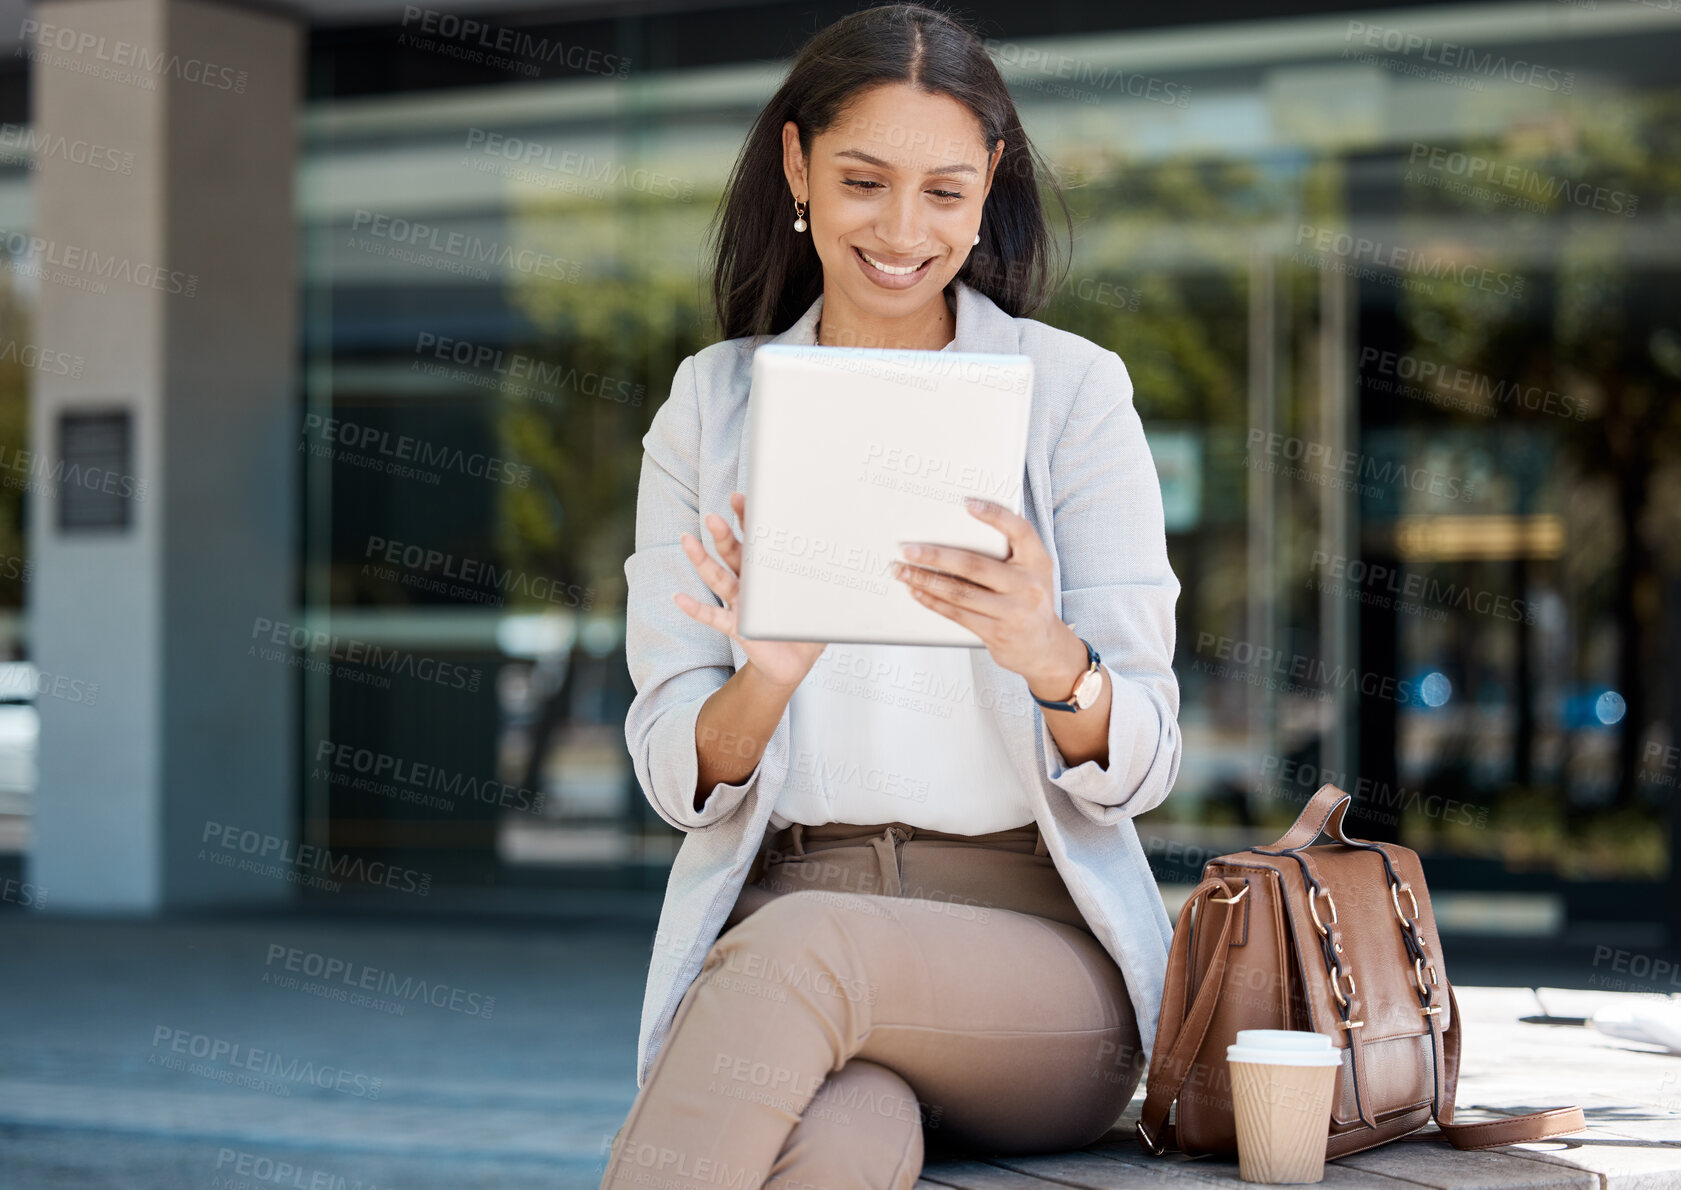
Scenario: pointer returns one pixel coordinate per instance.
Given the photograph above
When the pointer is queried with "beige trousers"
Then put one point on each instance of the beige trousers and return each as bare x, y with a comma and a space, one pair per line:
880, 994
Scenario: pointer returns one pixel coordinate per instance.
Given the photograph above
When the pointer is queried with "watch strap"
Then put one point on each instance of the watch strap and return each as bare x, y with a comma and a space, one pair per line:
1068, 704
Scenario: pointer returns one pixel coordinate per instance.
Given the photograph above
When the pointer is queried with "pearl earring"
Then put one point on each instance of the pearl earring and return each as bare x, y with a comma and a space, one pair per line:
977, 238
799, 215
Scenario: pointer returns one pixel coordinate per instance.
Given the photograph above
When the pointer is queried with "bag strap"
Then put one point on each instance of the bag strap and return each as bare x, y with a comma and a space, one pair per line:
1488, 1134
1180, 1034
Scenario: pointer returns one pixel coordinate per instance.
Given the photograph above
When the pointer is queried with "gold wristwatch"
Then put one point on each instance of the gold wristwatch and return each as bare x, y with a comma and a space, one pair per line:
1086, 689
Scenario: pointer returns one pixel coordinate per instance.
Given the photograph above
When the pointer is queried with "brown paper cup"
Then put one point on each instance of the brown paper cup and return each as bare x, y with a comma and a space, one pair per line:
1283, 1115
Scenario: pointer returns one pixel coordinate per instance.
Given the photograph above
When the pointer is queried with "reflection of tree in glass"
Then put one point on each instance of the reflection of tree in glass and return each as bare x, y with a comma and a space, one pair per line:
1604, 326
632, 317
1162, 232
1173, 237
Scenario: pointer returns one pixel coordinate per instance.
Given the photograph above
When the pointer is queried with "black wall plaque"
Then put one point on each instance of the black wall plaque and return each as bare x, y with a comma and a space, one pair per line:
96, 486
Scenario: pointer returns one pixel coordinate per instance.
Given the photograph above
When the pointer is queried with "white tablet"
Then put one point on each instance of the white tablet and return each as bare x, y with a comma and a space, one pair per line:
853, 450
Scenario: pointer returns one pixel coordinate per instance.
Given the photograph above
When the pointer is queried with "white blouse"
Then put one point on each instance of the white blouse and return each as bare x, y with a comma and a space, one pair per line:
893, 733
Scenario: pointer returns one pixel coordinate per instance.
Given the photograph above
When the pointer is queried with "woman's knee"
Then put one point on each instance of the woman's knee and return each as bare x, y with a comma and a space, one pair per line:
1116, 1069
1121, 1062
863, 1128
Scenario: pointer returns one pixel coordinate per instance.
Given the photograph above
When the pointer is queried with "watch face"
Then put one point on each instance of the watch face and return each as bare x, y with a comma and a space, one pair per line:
1087, 691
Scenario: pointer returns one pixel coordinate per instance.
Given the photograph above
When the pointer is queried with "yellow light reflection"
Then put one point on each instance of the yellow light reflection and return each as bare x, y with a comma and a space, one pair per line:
1491, 538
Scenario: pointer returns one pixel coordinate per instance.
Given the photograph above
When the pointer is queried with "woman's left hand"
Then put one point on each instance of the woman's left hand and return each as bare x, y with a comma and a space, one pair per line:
1009, 604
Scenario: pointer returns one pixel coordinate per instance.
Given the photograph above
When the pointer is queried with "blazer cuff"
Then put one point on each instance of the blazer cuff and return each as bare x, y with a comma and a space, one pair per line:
1133, 724
673, 736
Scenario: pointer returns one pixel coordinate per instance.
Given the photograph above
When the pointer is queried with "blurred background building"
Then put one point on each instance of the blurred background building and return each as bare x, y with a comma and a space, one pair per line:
328, 336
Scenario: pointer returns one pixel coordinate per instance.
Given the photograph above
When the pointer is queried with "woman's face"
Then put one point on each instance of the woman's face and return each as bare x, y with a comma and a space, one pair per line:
899, 181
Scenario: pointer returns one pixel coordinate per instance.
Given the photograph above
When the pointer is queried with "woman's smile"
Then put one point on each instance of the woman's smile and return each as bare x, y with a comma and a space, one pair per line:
889, 275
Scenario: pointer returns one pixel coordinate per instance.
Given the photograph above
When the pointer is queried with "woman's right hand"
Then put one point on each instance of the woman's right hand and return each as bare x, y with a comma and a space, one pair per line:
783, 662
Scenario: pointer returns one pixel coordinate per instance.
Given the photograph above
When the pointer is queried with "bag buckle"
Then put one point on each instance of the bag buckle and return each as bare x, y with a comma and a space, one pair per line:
1150, 1146
1419, 969
1230, 900
1395, 891
1313, 907
1337, 975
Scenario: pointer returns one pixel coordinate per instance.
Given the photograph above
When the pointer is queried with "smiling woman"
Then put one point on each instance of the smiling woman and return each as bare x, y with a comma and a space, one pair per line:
910, 910
888, 223
903, 155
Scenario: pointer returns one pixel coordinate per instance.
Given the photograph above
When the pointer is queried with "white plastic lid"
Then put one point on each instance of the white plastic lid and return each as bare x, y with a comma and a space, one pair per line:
1284, 1047
1290, 1039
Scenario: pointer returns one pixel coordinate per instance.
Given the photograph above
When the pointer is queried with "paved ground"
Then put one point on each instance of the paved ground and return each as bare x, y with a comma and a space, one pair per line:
511, 1064
522, 1092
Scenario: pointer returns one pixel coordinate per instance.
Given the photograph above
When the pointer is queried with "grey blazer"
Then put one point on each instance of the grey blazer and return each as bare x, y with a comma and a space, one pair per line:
1092, 496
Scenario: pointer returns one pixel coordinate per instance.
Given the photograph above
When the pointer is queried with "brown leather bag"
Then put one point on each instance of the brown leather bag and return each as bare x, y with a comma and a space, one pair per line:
1336, 939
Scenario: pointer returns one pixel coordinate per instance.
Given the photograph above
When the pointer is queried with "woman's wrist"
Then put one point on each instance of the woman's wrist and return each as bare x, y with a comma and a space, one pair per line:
766, 686
1067, 662
752, 705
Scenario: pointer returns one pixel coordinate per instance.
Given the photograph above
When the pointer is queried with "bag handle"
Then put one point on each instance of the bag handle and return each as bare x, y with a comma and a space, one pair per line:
1179, 1035
1323, 813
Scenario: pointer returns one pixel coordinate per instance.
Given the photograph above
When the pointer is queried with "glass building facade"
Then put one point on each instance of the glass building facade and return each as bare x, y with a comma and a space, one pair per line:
1399, 296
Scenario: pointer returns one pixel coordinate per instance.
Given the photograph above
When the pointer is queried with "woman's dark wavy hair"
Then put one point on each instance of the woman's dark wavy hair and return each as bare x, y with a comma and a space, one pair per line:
765, 274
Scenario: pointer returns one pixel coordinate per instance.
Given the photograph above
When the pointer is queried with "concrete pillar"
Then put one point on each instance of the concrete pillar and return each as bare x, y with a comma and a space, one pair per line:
172, 274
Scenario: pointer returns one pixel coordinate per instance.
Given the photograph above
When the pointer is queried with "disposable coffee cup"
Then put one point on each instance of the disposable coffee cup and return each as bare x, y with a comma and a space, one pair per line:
1282, 1082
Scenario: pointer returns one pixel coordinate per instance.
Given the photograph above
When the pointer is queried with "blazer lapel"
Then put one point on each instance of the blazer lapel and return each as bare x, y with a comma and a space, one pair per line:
801, 332
989, 329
